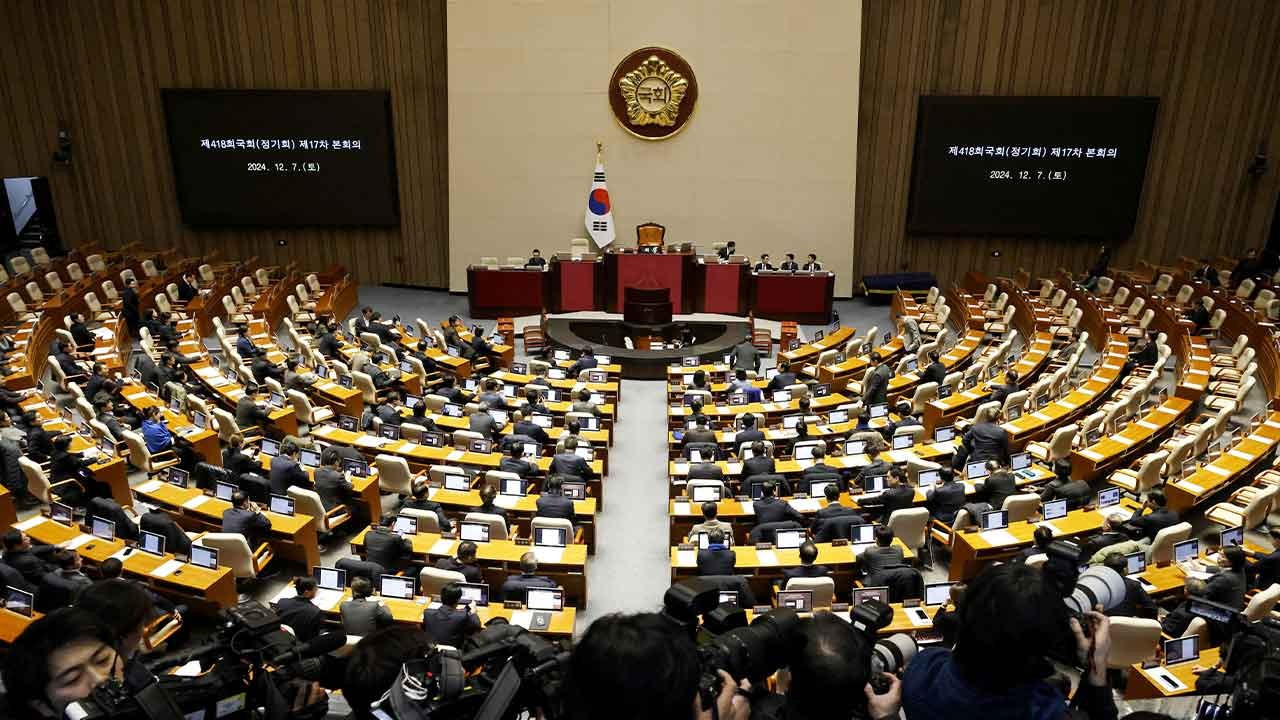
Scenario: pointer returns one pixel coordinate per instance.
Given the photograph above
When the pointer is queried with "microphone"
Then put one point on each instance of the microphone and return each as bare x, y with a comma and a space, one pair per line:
321, 644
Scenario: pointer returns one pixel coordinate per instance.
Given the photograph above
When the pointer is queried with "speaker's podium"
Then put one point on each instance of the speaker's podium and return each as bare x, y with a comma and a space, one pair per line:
650, 265
645, 306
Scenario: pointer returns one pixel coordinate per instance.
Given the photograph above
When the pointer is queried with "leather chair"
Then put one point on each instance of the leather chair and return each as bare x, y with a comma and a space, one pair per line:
823, 588
234, 553
497, 526
393, 474
307, 502
1161, 550
432, 580
428, 521
1133, 640
143, 459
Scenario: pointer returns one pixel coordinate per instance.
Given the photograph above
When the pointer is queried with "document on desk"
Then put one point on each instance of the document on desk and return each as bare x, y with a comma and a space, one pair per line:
998, 537
507, 502
1166, 680
767, 557
681, 508
166, 568
196, 502
408, 447
328, 599
806, 505
442, 547
29, 523
748, 507
77, 541
552, 555
918, 617
523, 618
686, 558
455, 455
1190, 487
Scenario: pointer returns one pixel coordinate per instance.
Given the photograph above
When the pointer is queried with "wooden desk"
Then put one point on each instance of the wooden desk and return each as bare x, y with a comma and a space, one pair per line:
900, 623
1137, 438
501, 558
945, 411
203, 442
762, 567
409, 612
1143, 684
111, 471
204, 588
807, 353
292, 536
1079, 402
1221, 474
524, 508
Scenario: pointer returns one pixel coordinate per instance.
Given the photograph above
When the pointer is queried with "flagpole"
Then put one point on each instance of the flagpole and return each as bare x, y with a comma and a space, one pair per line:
599, 151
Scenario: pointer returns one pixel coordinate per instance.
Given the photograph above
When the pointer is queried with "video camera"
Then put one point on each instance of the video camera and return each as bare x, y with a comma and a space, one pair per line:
1251, 665
251, 663
501, 670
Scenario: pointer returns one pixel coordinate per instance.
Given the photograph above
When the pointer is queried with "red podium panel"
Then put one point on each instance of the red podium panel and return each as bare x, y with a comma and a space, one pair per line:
803, 297
578, 284
649, 271
724, 288
500, 292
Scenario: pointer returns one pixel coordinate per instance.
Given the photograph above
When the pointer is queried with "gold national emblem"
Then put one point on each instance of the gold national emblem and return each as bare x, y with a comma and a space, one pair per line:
653, 93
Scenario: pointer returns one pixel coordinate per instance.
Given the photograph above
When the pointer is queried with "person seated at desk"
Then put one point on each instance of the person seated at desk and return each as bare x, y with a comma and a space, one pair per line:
695, 412
421, 500
705, 470
106, 415
1112, 534
568, 462
488, 493
1267, 568
385, 331
698, 380
807, 569
946, 497
385, 547
154, 430
1144, 354
188, 287
584, 404
286, 472
834, 507
699, 433
783, 379
1136, 603
514, 462
39, 441
749, 433
536, 260
1206, 272
1200, 313
764, 263
244, 344
331, 483
907, 417
760, 462
328, 344
812, 265
1226, 587
453, 340
449, 391
300, 612
388, 410
67, 465
294, 380
790, 264
464, 563
881, 555
11, 577
820, 466
533, 404
740, 383
935, 371
61, 586
898, 495
243, 517
31, 561
728, 251
516, 586
522, 425
998, 486
482, 422
235, 460
481, 346
586, 361
1146, 526
1040, 539
419, 352
447, 624
552, 503
769, 508
491, 398
68, 364
161, 522
716, 558
249, 413
1076, 492
261, 368
873, 446
710, 521
362, 321
360, 615
1000, 391
986, 440
80, 332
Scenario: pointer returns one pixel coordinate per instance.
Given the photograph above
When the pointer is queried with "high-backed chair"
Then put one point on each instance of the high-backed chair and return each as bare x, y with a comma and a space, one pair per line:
1145, 477
823, 588
1262, 603
393, 474
1058, 447
547, 523
143, 459
650, 234
234, 552
306, 412
1161, 550
911, 526
1248, 506
432, 580
38, 481
497, 526
307, 502
1133, 640
428, 521
1022, 506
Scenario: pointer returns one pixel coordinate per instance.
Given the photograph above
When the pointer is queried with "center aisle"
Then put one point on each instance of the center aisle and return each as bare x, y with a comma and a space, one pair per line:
631, 568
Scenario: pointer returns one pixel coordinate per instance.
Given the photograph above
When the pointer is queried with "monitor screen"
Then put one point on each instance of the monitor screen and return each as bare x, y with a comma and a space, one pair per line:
562, 354
928, 478
431, 438
902, 442
223, 490
1108, 497
19, 601
704, 540
789, 422
405, 525
575, 490
277, 399
1038, 166
804, 452
282, 157
879, 411
205, 557
838, 416
818, 488
873, 483
151, 542
270, 447
1180, 650
879, 592
1186, 550
937, 593
1135, 563
855, 447
61, 513
544, 599
456, 481
473, 531
310, 458
452, 410
729, 597
1020, 461
1232, 536
396, 586
862, 534
199, 419
101, 528
788, 539
513, 486
531, 450
551, 537
475, 593
706, 493
781, 396
348, 423
390, 432
281, 504
358, 468
1055, 509
481, 446
975, 470
330, 578
798, 600
542, 421
995, 520
178, 476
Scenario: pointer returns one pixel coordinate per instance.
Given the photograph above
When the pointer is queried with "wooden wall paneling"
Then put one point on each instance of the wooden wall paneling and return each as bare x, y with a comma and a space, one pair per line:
1215, 66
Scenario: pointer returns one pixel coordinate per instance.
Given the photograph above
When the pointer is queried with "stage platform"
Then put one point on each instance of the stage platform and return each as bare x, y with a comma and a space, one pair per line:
707, 336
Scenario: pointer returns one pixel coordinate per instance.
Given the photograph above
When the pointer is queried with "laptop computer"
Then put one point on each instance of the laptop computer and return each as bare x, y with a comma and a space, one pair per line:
878, 592
995, 520
223, 490
476, 594
1054, 509
798, 600
473, 531
396, 586
1180, 650
551, 537
862, 534
280, 504
789, 539
205, 557
405, 525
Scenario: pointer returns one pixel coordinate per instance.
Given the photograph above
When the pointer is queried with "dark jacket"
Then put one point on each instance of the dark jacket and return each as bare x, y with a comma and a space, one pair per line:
758, 465
523, 468
449, 626
162, 523
945, 500
30, 563
567, 463
1267, 568
716, 560
987, 441
876, 389
517, 585
387, 548
837, 527
705, 471
248, 414
472, 573
286, 473
82, 335
329, 345
996, 487
893, 498
1226, 587
772, 509
10, 575
431, 506
806, 571
253, 525
239, 463
555, 506
934, 372
362, 616
747, 436
877, 558
1090, 547
1076, 492
1153, 522
534, 431
302, 615
1136, 603
332, 487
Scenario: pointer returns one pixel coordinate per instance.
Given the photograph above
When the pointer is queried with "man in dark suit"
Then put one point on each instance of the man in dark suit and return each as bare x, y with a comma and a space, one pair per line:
569, 463
447, 624
1160, 517
362, 322
819, 466
706, 470
790, 264
81, 333
1136, 603
388, 410
770, 508
746, 356
514, 462
249, 413
421, 500
906, 418
946, 497
700, 433
1003, 390
482, 422
162, 523
285, 470
997, 486
1200, 314
760, 463
299, 612
808, 555
729, 250
1112, 534
875, 386
129, 306
449, 391
329, 345
764, 263
464, 563
883, 554
1267, 568
834, 507
586, 361
1076, 492
1228, 585
525, 426
552, 503
986, 440
717, 558
243, 517
1145, 354
331, 483
61, 585
783, 378
898, 495
935, 371
108, 418
749, 433
385, 547
491, 397
517, 585
188, 287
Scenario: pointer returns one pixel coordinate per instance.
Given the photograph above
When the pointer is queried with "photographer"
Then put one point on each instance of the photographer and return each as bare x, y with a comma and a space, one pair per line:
835, 659
638, 667
58, 659
1011, 618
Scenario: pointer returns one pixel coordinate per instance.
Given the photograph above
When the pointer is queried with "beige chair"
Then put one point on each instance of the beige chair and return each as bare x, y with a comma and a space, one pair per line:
35, 293
462, 438
226, 423
96, 263
306, 412
432, 580
235, 315
234, 552
911, 526
1145, 477
823, 588
924, 394
38, 481
1058, 447
54, 282
307, 502
547, 523
497, 526
393, 474
1262, 603
1248, 506
207, 276
18, 265
1200, 628
160, 629
436, 473
1161, 550
428, 521
688, 490
40, 257
364, 383
149, 268
143, 459
1133, 640
1022, 506
1014, 400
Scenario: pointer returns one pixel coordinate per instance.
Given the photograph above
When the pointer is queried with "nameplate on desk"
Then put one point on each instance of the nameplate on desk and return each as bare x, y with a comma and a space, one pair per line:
442, 547
29, 523
767, 557
328, 599
686, 558
522, 618
77, 541
166, 568
1092, 455
1123, 440
998, 537
196, 502
135, 397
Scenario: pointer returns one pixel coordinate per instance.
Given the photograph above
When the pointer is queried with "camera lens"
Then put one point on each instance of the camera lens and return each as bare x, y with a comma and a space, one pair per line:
1099, 585
893, 653
755, 652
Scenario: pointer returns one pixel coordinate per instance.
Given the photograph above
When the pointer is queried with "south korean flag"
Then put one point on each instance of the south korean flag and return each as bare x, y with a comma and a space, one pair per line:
599, 216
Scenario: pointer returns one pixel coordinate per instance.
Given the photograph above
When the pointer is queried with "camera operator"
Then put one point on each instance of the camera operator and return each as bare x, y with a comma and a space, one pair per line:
374, 665
1011, 618
127, 609
637, 667
58, 659
834, 660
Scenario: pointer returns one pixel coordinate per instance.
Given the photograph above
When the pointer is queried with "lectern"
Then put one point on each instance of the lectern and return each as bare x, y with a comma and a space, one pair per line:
645, 306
